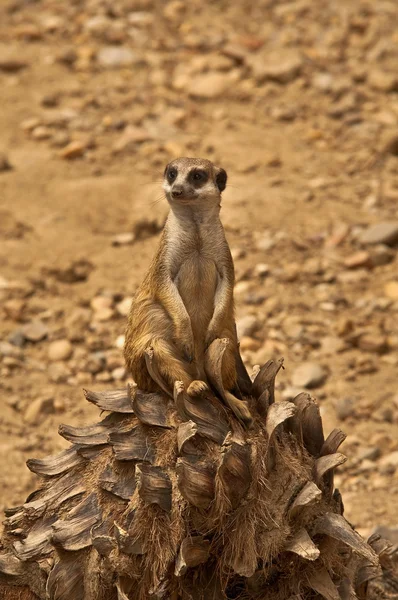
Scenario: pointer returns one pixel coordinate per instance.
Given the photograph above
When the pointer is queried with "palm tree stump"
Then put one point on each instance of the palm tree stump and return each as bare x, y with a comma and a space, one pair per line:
169, 497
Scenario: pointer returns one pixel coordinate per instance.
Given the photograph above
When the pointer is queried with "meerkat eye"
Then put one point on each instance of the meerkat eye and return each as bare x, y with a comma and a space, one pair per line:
171, 175
199, 176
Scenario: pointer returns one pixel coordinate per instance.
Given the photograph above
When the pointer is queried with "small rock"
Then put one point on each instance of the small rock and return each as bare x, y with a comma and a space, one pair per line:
247, 325
381, 233
390, 459
345, 408
123, 307
103, 377
391, 290
10, 63
14, 309
358, 260
249, 343
79, 270
103, 314
115, 57
373, 343
123, 239
41, 133
100, 302
383, 81
282, 66
381, 255
4, 163
130, 137
119, 343
38, 409
60, 350
368, 453
209, 85
7, 349
73, 150
261, 269
119, 373
35, 331
332, 345
309, 375
58, 372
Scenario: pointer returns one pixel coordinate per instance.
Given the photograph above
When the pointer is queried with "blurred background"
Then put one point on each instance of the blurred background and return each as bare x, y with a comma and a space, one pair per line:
298, 101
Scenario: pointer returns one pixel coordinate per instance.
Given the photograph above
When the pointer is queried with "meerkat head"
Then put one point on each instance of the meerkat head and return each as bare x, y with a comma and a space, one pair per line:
193, 181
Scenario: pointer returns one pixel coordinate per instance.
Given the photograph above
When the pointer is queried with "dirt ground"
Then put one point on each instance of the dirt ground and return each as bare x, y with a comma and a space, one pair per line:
298, 101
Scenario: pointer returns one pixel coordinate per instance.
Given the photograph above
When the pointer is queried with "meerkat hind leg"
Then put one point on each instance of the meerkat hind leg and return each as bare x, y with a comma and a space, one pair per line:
166, 368
221, 371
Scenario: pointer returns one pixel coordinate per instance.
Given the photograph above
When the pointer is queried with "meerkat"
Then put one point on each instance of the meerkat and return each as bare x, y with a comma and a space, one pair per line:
186, 299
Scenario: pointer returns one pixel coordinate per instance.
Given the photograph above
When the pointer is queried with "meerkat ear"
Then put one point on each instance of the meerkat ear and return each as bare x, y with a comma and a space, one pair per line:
221, 179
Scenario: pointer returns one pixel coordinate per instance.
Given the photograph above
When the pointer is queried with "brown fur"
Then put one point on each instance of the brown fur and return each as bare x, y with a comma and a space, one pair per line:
186, 299
13, 593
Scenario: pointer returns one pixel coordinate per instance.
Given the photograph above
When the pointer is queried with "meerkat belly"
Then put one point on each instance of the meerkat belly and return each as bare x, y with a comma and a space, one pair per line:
197, 282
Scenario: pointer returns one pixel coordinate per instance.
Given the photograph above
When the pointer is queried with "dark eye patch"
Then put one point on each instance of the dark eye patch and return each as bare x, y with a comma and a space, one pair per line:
171, 174
198, 177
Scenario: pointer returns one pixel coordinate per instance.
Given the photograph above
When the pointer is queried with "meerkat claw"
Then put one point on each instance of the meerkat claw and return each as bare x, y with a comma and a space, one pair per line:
197, 387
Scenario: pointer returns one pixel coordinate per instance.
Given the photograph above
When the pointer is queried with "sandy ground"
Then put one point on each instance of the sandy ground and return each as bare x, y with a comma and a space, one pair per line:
298, 101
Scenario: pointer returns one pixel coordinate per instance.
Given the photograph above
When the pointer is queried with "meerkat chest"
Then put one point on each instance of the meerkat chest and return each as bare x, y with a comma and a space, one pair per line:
197, 282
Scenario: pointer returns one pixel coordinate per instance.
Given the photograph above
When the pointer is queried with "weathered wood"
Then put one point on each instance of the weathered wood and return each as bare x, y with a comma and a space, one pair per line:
321, 582
118, 401
57, 464
37, 543
333, 442
265, 380
66, 580
235, 472
196, 482
193, 552
101, 539
326, 463
208, 415
74, 532
302, 545
337, 527
308, 424
308, 496
93, 435
185, 435
127, 543
154, 486
151, 408
113, 482
132, 445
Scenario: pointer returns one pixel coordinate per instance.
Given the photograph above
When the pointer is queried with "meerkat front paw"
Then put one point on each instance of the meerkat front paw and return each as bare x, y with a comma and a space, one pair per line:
197, 387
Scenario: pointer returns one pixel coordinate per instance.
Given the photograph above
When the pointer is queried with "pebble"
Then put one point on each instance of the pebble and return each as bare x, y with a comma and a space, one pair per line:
380, 233
4, 163
248, 343
73, 150
41, 133
375, 343
123, 307
7, 349
368, 453
345, 408
35, 331
130, 137
123, 239
119, 342
358, 260
11, 63
390, 459
282, 66
58, 372
100, 302
247, 325
103, 314
14, 309
115, 57
208, 85
60, 350
391, 290
382, 80
309, 375
38, 409
119, 373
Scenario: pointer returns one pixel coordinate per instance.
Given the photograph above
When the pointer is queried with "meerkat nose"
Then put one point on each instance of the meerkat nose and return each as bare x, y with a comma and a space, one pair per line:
176, 192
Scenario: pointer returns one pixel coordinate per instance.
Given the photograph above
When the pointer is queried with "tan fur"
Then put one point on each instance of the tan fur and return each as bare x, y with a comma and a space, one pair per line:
186, 299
